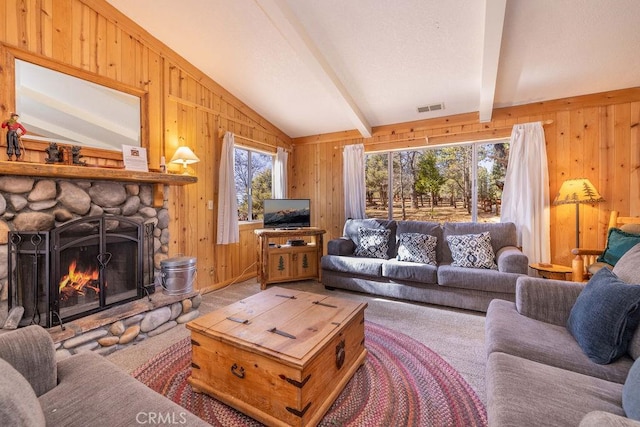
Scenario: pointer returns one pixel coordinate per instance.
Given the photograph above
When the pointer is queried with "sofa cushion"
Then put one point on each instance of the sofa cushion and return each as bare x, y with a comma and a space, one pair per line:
508, 331
417, 247
628, 266
353, 265
472, 251
521, 392
19, 405
605, 316
372, 243
631, 393
415, 272
93, 391
618, 243
480, 279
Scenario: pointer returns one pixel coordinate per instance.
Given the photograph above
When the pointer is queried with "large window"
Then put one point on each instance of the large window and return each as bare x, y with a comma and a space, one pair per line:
450, 183
253, 182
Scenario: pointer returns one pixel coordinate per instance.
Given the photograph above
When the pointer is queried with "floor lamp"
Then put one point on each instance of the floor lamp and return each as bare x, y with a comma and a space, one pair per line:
579, 190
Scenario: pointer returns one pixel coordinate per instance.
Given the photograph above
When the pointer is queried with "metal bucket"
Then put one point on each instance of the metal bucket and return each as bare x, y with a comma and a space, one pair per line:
178, 275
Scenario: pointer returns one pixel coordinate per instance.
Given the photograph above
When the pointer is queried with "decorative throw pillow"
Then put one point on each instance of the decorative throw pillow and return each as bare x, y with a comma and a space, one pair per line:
472, 251
417, 247
631, 392
605, 316
373, 242
618, 243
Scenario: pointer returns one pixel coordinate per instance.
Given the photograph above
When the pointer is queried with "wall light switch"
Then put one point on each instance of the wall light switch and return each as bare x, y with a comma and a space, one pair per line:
210, 205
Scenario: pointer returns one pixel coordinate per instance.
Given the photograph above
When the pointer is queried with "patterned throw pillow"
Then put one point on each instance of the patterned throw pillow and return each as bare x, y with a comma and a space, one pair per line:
373, 243
417, 247
472, 251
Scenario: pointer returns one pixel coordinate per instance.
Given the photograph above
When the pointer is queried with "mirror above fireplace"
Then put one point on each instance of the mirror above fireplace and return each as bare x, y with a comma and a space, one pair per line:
58, 107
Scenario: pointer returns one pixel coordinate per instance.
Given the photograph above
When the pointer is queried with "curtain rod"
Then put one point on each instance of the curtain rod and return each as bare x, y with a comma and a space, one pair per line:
235, 135
426, 137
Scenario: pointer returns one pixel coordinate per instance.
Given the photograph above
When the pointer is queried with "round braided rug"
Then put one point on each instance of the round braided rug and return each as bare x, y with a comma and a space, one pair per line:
402, 382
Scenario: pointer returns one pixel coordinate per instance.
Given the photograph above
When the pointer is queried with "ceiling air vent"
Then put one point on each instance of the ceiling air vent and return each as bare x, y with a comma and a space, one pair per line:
432, 107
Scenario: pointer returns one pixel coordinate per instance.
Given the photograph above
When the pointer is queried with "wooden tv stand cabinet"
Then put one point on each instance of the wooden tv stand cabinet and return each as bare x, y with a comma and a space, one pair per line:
279, 261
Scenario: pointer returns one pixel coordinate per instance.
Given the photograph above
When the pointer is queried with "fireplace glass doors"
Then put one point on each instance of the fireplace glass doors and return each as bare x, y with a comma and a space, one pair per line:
93, 263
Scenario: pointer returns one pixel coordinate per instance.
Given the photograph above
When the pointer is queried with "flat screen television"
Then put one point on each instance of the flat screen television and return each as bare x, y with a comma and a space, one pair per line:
287, 213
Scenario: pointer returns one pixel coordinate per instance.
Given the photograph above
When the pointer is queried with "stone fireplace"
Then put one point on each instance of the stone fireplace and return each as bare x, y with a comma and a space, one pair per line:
70, 248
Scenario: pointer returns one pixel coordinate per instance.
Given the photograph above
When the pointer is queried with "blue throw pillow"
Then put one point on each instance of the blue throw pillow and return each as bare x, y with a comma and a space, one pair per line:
631, 392
605, 316
618, 243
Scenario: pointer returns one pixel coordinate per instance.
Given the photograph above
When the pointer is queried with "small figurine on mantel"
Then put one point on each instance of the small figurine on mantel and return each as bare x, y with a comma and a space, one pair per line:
76, 156
53, 153
14, 131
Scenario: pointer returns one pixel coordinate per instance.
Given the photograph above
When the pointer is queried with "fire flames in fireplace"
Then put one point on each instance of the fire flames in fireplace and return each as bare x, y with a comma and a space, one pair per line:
77, 282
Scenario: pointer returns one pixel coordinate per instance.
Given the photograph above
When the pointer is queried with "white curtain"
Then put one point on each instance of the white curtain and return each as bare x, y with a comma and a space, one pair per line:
228, 228
280, 174
525, 199
354, 183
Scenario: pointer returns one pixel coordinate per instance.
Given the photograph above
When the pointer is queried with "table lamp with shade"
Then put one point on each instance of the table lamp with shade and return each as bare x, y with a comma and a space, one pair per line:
184, 156
579, 190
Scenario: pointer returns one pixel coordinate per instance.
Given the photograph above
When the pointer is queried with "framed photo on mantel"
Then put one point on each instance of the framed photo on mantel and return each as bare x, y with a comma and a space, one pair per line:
135, 158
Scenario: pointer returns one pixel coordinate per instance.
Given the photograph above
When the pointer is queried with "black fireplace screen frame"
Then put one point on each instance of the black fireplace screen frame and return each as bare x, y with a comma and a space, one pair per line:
41, 298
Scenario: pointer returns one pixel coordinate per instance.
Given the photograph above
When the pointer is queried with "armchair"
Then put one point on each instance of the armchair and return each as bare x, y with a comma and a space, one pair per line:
585, 262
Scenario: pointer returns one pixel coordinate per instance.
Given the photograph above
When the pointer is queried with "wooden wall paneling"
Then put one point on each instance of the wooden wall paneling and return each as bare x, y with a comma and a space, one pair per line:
128, 61
634, 179
601, 156
152, 121
621, 171
197, 136
7, 74
114, 51
335, 211
11, 23
590, 216
99, 45
4, 4
563, 215
44, 28
62, 31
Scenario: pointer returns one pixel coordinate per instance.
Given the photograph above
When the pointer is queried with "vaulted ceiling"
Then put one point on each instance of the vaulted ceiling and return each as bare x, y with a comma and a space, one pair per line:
321, 66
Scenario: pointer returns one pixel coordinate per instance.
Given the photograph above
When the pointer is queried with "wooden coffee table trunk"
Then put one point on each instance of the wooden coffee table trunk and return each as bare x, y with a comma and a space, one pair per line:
281, 356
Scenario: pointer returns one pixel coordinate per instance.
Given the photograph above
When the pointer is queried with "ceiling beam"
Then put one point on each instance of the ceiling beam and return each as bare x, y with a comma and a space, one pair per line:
493, 28
288, 25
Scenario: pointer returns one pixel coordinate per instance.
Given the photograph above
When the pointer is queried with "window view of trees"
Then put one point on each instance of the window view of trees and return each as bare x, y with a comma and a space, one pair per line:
253, 182
452, 183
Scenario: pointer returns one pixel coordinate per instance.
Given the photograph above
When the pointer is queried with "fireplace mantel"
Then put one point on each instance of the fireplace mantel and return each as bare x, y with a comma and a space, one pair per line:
93, 173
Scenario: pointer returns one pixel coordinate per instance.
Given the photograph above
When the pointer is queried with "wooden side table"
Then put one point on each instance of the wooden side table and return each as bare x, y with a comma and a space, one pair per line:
551, 271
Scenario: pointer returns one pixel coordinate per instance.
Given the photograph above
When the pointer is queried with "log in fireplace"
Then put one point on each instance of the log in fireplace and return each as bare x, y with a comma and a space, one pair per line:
79, 268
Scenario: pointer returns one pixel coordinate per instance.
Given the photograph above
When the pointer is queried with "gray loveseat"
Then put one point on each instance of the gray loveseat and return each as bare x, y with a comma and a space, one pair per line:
442, 283
538, 375
81, 390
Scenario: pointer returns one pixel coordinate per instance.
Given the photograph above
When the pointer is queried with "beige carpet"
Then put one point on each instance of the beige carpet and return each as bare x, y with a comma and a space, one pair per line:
457, 335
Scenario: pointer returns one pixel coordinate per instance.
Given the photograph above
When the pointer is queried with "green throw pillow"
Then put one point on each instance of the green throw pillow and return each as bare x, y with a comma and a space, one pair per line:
605, 317
618, 243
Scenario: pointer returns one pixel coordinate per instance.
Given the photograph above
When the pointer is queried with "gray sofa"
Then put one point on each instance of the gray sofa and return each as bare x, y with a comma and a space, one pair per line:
443, 283
538, 374
81, 390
